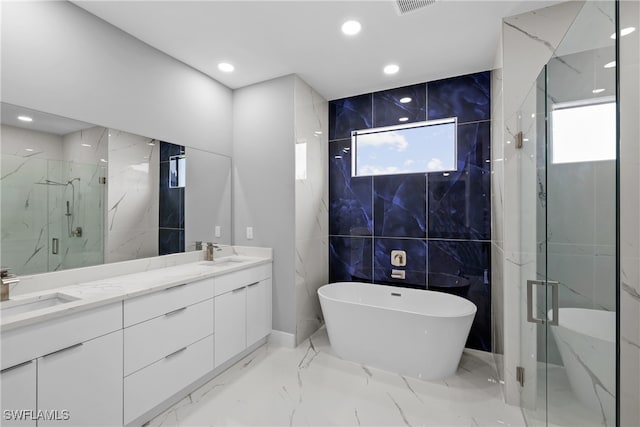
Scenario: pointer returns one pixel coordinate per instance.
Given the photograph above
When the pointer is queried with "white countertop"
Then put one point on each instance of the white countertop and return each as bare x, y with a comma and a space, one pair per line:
121, 287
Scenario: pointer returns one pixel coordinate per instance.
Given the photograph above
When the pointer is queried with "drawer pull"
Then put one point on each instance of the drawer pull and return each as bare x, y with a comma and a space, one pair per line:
253, 284
171, 313
176, 286
175, 353
238, 290
71, 347
19, 365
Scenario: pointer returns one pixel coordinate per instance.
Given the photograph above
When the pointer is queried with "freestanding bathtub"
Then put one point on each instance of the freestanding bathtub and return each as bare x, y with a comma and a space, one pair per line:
412, 332
586, 340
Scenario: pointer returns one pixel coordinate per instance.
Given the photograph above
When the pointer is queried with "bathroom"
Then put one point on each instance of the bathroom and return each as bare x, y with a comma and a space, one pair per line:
268, 165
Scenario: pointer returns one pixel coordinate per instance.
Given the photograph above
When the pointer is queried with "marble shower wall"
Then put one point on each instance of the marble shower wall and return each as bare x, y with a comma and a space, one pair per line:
34, 213
311, 195
132, 197
442, 220
528, 42
171, 219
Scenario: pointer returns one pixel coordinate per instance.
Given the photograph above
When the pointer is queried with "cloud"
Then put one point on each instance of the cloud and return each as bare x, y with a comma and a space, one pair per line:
435, 164
376, 170
394, 139
409, 162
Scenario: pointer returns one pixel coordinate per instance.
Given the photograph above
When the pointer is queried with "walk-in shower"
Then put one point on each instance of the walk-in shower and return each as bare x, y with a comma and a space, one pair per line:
568, 163
70, 205
52, 214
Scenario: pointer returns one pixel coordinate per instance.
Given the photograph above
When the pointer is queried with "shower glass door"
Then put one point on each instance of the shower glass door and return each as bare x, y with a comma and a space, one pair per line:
52, 214
568, 229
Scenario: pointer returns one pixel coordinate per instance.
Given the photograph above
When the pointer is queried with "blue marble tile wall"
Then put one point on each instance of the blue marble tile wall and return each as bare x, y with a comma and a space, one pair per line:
171, 204
441, 220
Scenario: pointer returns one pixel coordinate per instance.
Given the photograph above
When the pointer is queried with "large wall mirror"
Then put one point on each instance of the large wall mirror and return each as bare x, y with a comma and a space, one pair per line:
76, 194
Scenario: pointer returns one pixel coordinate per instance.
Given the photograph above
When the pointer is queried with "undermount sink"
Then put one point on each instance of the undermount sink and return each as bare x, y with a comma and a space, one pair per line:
225, 262
25, 305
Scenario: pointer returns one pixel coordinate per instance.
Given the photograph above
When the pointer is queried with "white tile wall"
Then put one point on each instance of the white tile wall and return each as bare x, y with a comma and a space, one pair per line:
311, 195
132, 197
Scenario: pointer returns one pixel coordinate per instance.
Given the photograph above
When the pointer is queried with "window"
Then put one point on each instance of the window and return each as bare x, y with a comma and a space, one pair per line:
177, 171
583, 132
421, 147
301, 160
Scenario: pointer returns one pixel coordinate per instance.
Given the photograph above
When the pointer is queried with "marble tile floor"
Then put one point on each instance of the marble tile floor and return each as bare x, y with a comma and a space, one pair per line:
563, 408
310, 386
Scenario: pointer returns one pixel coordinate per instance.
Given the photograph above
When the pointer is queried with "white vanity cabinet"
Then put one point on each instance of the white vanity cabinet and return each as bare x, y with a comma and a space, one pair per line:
18, 384
168, 344
242, 311
85, 381
231, 321
78, 361
258, 311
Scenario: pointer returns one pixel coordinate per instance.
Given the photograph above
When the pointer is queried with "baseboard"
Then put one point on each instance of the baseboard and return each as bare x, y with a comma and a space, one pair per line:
284, 339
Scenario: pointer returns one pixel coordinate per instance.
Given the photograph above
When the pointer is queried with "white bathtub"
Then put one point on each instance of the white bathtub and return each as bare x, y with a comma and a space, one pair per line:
586, 340
409, 331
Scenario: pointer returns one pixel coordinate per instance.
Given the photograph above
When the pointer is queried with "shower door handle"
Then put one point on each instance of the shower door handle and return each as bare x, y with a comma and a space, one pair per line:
55, 246
554, 302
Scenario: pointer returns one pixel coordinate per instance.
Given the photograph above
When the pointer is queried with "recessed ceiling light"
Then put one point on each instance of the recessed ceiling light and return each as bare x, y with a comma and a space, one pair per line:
391, 69
25, 118
318, 132
103, 160
28, 149
86, 145
624, 32
351, 28
610, 64
598, 90
226, 67
403, 119
405, 100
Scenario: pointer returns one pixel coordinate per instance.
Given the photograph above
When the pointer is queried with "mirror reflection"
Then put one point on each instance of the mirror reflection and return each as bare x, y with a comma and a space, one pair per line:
75, 194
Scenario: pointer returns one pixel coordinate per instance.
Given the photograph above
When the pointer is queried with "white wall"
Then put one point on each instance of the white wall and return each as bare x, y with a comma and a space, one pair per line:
264, 185
60, 59
312, 215
133, 195
629, 63
207, 198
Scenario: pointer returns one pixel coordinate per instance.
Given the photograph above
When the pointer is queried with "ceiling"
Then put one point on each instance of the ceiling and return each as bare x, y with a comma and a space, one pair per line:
42, 122
267, 39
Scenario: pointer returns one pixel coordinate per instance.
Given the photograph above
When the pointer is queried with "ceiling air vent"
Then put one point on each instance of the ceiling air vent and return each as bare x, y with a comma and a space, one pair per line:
406, 6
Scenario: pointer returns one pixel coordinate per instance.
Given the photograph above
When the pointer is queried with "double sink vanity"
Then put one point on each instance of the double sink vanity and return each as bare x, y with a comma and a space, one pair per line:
121, 348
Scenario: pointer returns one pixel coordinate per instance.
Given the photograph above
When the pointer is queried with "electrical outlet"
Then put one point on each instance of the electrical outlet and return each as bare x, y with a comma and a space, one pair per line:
249, 233
217, 232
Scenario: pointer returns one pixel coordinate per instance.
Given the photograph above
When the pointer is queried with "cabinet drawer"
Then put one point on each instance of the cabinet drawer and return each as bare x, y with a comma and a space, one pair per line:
32, 341
152, 340
228, 282
146, 307
150, 386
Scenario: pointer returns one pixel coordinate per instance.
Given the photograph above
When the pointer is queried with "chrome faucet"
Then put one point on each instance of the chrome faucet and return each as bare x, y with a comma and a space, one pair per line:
210, 250
7, 279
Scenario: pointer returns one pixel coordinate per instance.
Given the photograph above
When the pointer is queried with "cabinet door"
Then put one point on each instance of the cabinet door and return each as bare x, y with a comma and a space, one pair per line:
230, 325
258, 311
19, 394
83, 382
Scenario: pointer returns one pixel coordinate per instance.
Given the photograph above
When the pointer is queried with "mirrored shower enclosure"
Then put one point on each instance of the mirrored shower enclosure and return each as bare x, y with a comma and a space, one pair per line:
568, 186
53, 214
